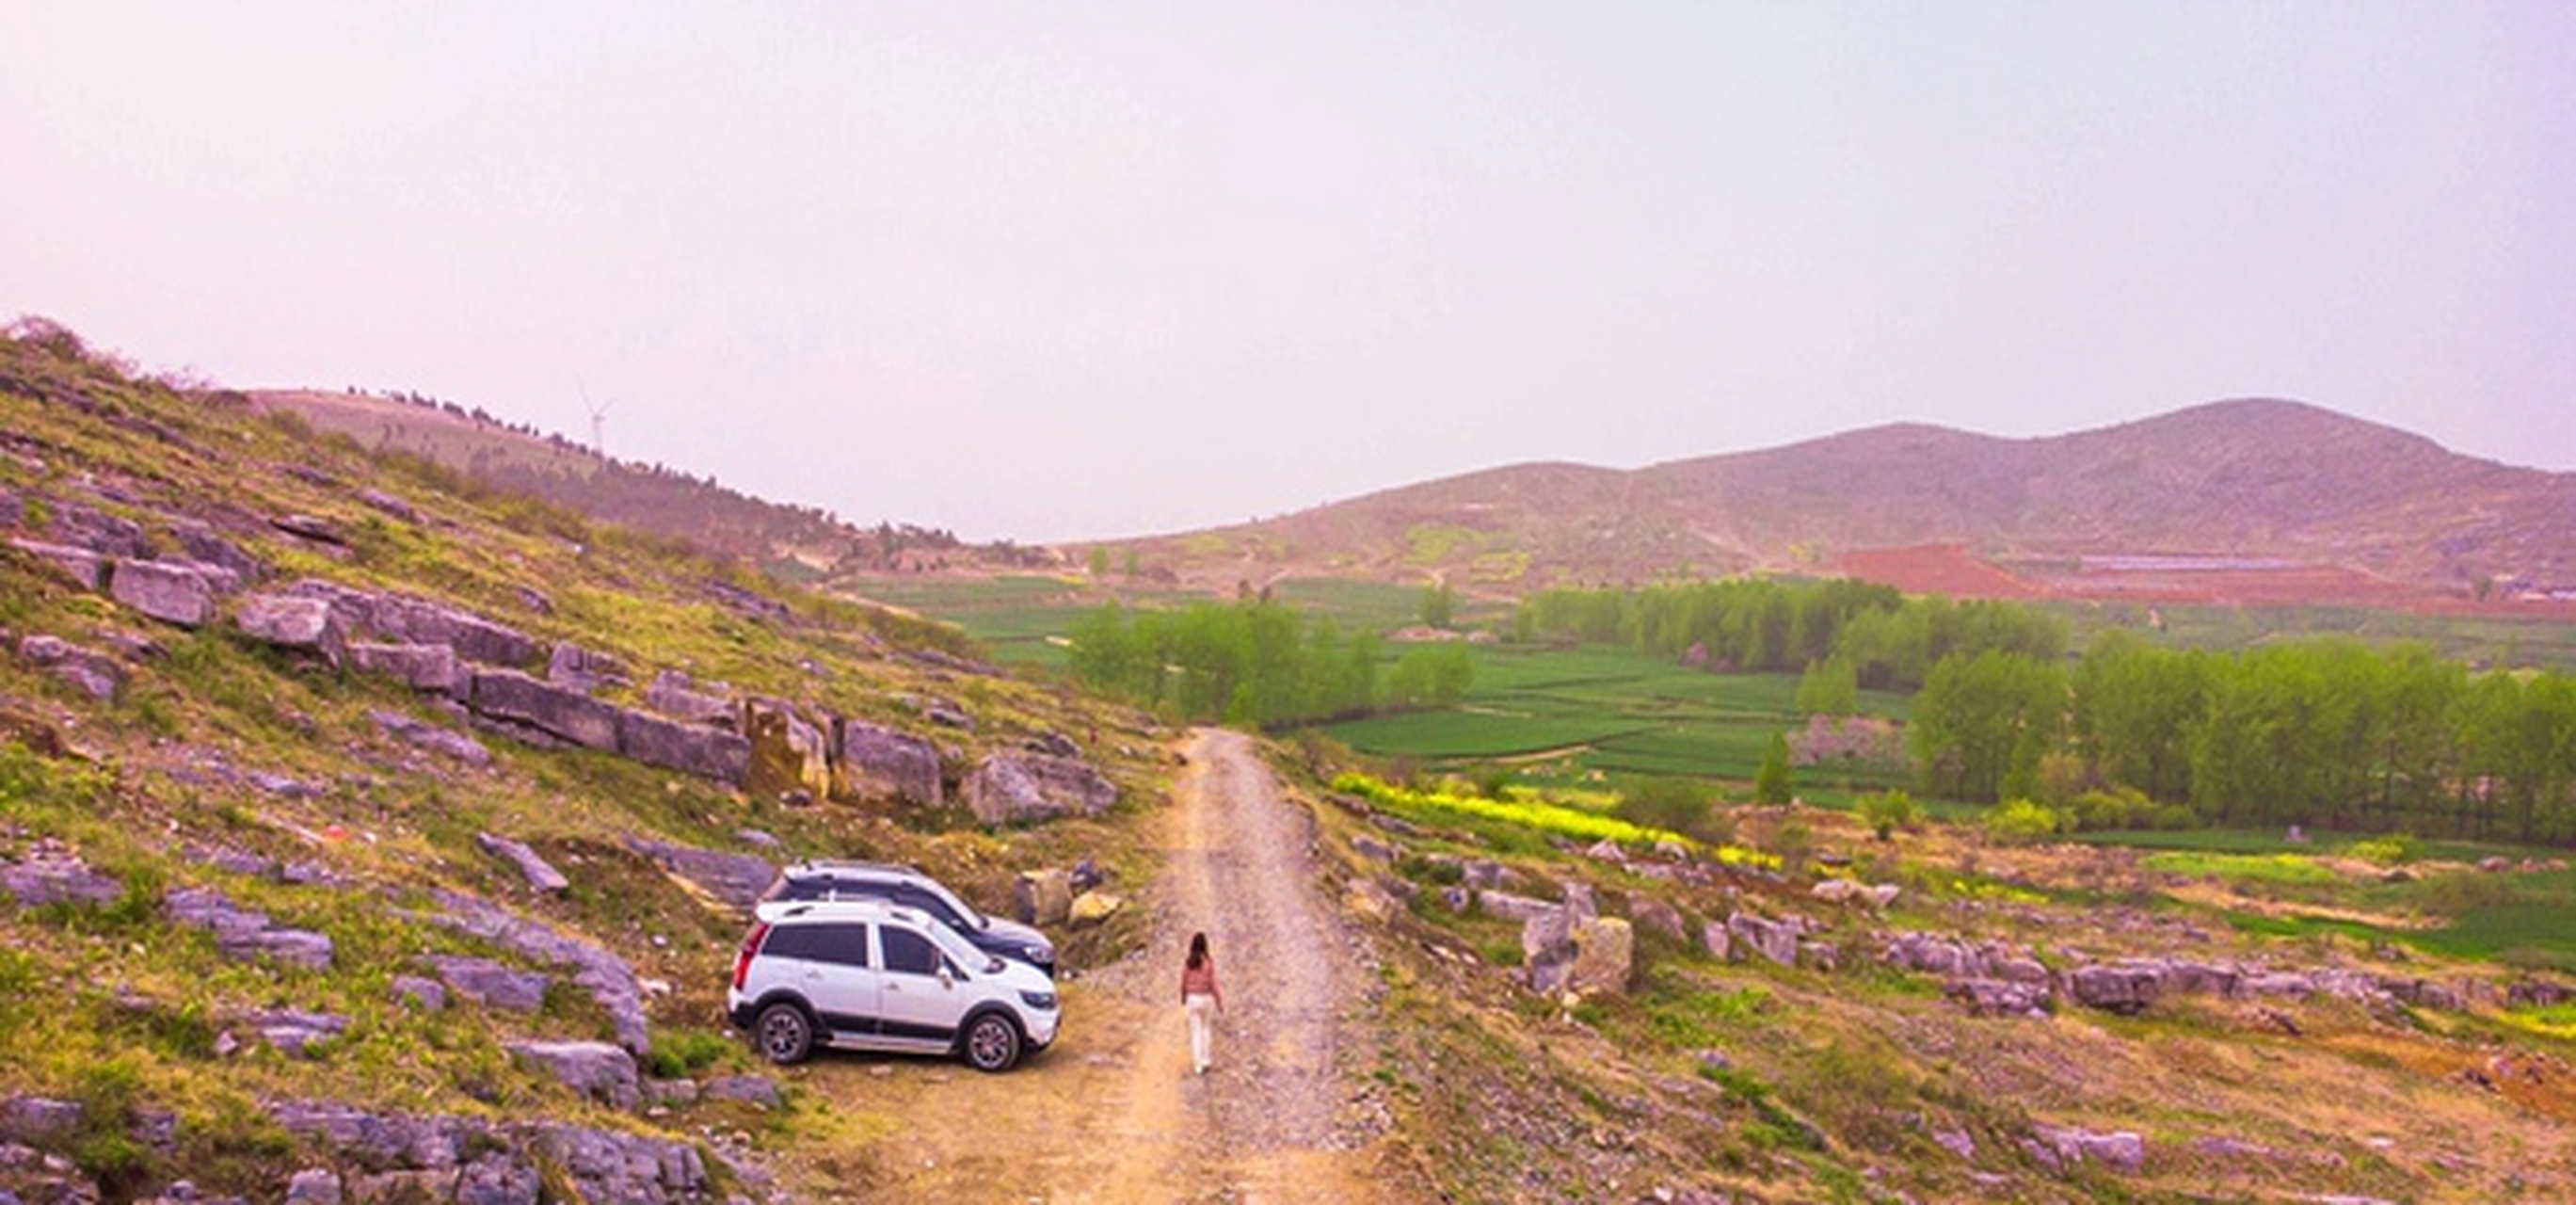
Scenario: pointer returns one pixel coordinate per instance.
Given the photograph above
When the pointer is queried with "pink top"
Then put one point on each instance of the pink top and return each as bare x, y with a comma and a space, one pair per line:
1200, 980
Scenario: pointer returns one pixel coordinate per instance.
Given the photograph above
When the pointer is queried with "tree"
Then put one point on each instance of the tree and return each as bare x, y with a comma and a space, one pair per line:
1774, 783
1982, 723
1439, 605
1886, 811
1097, 565
1830, 687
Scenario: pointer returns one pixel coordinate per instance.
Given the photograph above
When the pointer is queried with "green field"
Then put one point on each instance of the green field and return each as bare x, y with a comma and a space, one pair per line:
2476, 639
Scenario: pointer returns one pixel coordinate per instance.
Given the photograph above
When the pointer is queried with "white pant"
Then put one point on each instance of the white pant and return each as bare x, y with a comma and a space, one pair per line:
1202, 1011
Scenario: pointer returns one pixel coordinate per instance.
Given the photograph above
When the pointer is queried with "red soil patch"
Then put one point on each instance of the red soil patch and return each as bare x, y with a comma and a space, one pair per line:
1951, 570
1937, 569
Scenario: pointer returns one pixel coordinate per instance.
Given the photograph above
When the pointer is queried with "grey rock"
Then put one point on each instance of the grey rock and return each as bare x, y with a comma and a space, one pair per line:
474, 638
38, 1120
787, 753
509, 695
1823, 956
51, 874
735, 880
387, 503
310, 527
428, 995
1957, 1142
243, 934
1655, 916
293, 622
1998, 997
89, 671
1086, 874
313, 1186
294, 1032
1053, 744
1515, 907
2120, 1151
606, 977
1015, 788
441, 740
598, 1070
495, 1180
1482, 874
1373, 849
539, 874
427, 668
218, 579
749, 1089
948, 715
85, 568
1715, 938
94, 529
203, 543
2116, 987
688, 748
172, 594
1043, 897
876, 762
1776, 940
577, 668
490, 984
674, 695
670, 1093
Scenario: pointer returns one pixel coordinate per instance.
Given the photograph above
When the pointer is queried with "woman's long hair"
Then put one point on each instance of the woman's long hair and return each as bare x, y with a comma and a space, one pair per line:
1198, 950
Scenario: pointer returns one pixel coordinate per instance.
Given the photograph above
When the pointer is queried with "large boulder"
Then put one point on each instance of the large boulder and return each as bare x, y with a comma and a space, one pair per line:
1092, 907
876, 762
94, 529
171, 593
583, 669
491, 984
674, 695
306, 625
54, 874
506, 694
595, 1069
733, 880
1652, 915
689, 748
1604, 955
540, 875
204, 543
787, 754
1010, 788
428, 668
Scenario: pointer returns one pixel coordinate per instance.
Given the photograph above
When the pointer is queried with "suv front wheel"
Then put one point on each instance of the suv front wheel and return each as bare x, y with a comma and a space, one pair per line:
992, 1043
785, 1034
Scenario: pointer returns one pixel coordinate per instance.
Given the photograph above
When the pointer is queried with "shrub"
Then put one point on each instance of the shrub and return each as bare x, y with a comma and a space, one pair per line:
1886, 811
2391, 850
2174, 817
2020, 822
1676, 804
2117, 808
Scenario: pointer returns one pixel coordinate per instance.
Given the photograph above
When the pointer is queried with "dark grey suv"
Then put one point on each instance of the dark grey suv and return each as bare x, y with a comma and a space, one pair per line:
835, 880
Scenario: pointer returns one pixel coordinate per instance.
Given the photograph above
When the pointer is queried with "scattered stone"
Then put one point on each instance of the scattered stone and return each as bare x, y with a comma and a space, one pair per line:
1823, 956
1607, 850
202, 543
313, 1186
1481, 874
1053, 744
757, 1090
445, 741
37, 1119
674, 695
85, 568
787, 754
87, 670
425, 994
607, 978
170, 593
1957, 1142
1043, 897
51, 874
1373, 849
753, 836
242, 934
96, 530
380, 500
734, 880
540, 875
1515, 907
1655, 916
576, 668
310, 527
293, 1032
1015, 788
876, 762
1087, 875
2120, 1151
490, 984
1092, 907
1776, 940
595, 1069
670, 1093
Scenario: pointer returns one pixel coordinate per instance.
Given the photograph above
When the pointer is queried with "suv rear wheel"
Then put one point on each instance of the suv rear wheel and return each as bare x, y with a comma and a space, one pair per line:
992, 1043
785, 1033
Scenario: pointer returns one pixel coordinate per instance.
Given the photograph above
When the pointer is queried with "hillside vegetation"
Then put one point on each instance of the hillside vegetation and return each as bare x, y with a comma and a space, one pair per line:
364, 824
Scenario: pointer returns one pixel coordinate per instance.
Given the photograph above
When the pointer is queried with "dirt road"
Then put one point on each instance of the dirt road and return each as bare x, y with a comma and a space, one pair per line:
1112, 1113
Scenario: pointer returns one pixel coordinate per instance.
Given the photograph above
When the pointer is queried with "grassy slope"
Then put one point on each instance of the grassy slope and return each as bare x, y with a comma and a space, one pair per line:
117, 1007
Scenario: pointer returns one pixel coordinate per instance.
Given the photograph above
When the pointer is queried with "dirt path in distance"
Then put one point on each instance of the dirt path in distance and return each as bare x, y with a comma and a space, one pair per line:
1112, 1113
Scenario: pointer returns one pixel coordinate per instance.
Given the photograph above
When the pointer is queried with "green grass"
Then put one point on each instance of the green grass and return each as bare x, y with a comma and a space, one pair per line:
2282, 868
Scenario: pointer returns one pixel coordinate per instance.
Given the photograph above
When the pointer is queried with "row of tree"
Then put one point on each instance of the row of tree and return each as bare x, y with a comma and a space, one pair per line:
2329, 733
1889, 641
1258, 662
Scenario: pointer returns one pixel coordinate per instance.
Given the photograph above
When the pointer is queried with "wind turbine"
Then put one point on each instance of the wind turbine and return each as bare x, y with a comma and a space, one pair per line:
598, 420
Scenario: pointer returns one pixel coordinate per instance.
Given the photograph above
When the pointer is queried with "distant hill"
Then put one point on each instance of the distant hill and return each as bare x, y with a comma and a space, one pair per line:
800, 541
2213, 499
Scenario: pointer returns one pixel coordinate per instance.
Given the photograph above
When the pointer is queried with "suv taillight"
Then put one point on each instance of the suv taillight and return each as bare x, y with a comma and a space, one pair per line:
750, 946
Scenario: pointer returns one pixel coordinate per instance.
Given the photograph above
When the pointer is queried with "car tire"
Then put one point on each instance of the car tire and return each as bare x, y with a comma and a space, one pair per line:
784, 1033
992, 1043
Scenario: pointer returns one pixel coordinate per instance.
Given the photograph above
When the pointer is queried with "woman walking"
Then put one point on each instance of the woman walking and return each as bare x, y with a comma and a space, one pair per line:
1201, 996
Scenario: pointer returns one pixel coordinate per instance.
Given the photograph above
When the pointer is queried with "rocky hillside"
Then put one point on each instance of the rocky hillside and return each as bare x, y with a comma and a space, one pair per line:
2266, 479
799, 542
367, 834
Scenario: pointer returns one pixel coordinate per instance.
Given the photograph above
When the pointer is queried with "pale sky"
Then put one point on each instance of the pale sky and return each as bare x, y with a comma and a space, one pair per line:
1061, 271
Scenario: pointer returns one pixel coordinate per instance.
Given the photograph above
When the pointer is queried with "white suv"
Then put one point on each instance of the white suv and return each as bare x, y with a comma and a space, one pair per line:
870, 975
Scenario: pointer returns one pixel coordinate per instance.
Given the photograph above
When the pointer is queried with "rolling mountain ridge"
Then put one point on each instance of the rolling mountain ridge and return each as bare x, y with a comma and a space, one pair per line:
2274, 484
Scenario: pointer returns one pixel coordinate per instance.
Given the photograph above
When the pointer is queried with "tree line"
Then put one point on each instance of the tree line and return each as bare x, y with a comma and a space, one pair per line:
2330, 733
1888, 641
1257, 662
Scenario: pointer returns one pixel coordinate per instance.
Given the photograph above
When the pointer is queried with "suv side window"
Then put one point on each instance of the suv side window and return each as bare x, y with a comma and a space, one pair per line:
842, 945
908, 952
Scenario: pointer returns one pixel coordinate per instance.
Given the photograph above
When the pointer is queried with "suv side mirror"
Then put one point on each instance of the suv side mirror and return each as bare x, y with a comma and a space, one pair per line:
948, 974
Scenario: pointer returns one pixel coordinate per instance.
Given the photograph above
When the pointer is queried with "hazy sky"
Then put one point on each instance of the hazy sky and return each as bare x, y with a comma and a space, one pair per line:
1055, 271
